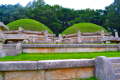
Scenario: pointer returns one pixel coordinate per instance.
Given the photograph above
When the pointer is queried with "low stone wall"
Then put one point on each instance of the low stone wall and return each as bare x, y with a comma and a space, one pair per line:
58, 48
47, 70
11, 49
102, 68
61, 50
15, 49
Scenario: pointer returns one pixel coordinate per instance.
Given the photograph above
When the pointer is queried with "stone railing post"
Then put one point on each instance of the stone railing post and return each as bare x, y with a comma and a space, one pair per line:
19, 47
60, 38
103, 69
103, 33
2, 37
20, 29
116, 34
2, 52
79, 37
118, 47
46, 35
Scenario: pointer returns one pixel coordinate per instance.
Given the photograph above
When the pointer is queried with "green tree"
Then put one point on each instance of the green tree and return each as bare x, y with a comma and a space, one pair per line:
112, 20
89, 15
58, 18
10, 13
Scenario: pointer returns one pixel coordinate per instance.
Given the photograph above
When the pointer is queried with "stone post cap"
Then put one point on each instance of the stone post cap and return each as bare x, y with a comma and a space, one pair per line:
20, 29
116, 34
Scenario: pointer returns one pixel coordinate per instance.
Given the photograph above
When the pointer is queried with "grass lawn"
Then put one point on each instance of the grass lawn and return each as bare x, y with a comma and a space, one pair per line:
88, 79
55, 56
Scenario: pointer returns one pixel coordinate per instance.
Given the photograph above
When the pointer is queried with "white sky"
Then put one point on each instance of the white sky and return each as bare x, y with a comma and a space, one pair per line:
76, 4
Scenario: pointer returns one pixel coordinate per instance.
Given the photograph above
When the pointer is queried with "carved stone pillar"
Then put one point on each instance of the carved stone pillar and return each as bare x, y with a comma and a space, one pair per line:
20, 29
103, 33
79, 37
2, 37
60, 38
46, 36
116, 34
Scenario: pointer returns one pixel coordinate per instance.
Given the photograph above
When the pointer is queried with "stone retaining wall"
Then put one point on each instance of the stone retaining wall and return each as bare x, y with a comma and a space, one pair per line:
57, 48
69, 45
15, 49
102, 68
47, 70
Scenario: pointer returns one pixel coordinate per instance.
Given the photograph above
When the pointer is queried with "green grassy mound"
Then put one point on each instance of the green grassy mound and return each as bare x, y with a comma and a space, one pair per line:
28, 24
83, 27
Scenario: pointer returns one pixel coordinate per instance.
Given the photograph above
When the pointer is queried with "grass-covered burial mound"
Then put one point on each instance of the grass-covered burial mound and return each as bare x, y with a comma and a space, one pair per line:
83, 27
28, 24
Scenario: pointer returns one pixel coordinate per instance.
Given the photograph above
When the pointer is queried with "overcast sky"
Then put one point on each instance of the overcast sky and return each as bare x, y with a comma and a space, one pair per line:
76, 4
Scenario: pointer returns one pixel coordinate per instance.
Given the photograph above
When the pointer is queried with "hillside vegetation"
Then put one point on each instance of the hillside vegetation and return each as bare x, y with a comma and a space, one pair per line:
28, 24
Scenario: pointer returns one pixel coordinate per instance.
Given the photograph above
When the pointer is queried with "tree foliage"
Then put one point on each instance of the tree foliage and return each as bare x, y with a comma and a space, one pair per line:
10, 13
58, 18
112, 21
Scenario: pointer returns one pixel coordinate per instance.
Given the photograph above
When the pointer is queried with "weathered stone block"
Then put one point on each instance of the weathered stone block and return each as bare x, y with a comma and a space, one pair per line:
1, 75
72, 63
85, 72
103, 69
69, 73
2, 53
12, 49
60, 74
25, 75
18, 65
